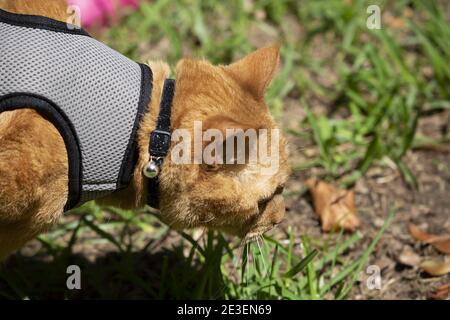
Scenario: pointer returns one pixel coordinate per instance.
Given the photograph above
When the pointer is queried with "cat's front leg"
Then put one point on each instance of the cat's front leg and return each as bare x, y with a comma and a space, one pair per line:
33, 177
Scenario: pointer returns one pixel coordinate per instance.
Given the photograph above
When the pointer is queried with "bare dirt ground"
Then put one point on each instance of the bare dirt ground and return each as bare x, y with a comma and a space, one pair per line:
397, 254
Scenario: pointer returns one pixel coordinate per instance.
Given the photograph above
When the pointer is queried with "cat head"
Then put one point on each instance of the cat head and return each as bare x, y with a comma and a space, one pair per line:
221, 104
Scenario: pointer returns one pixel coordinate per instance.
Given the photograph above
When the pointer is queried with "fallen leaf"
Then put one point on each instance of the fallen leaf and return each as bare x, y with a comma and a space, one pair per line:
441, 292
442, 246
440, 243
335, 207
421, 235
408, 257
435, 267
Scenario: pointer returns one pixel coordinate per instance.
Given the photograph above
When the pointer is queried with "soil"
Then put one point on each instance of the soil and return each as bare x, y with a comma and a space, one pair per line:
397, 254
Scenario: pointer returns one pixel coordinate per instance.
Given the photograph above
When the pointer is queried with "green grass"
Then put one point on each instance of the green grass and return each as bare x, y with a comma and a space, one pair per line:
215, 267
363, 93
381, 88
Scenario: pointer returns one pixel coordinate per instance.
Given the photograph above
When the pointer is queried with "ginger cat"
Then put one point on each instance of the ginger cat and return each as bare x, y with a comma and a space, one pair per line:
234, 198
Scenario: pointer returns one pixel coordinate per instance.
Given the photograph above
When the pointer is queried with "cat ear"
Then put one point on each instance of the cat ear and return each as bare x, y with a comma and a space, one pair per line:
255, 71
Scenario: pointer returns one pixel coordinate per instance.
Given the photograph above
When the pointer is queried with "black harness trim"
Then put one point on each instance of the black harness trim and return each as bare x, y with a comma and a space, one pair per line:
57, 117
40, 22
132, 153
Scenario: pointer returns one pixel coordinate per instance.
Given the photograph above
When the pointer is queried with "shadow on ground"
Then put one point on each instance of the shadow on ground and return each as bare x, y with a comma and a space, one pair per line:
135, 275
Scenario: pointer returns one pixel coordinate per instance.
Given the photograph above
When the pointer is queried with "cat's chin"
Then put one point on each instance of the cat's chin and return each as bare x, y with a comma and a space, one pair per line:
256, 233
230, 231
247, 236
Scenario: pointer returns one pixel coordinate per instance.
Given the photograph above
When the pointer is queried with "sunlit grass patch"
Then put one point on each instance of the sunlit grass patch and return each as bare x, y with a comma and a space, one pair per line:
212, 267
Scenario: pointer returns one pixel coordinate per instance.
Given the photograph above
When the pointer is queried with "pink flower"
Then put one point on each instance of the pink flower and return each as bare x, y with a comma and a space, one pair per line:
99, 11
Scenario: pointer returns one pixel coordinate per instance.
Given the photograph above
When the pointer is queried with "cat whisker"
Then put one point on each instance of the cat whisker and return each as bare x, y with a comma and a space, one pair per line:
263, 240
250, 259
262, 255
206, 221
246, 261
250, 238
202, 235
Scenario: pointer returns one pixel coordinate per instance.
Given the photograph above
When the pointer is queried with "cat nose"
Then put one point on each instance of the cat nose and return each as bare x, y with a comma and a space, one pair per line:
278, 216
277, 219
273, 213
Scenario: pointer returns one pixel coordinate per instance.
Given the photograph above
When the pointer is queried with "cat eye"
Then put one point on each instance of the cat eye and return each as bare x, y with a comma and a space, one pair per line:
264, 201
279, 189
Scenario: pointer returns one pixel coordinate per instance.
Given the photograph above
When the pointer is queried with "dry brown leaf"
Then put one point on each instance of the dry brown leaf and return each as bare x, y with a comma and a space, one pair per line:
440, 243
435, 267
441, 292
408, 257
335, 207
442, 246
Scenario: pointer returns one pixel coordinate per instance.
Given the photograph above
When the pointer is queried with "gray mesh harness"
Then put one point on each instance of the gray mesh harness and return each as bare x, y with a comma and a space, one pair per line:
93, 95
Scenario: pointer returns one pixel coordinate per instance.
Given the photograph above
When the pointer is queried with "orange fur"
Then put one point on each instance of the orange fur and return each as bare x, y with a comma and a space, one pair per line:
55, 9
33, 159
